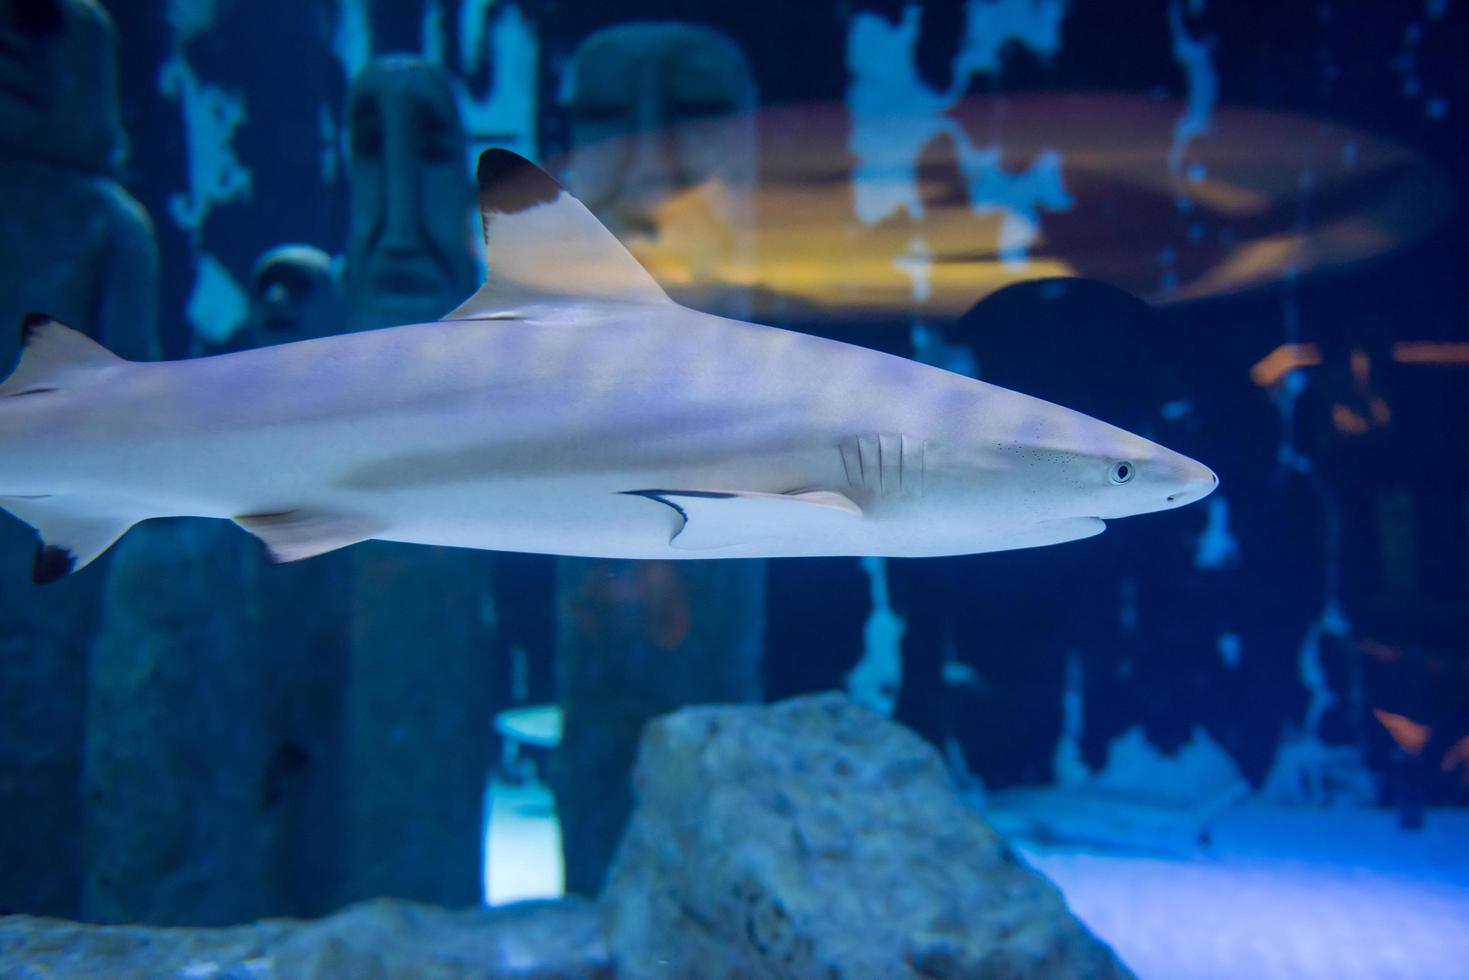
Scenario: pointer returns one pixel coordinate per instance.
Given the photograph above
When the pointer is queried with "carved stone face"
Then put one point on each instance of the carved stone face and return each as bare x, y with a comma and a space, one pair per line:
293, 296
58, 84
663, 144
410, 254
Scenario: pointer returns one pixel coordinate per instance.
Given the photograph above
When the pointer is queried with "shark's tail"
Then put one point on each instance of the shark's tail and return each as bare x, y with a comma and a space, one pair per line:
54, 358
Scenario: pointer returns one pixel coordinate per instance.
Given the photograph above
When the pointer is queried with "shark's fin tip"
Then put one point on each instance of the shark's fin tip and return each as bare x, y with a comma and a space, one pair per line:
71, 532
31, 324
509, 183
543, 246
51, 564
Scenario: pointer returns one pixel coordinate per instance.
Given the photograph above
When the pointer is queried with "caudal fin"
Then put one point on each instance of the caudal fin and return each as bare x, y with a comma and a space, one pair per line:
53, 358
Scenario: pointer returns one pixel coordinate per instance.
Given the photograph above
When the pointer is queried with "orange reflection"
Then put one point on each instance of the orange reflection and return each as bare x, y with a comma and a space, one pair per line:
966, 227
1424, 352
1408, 734
1283, 360
1456, 756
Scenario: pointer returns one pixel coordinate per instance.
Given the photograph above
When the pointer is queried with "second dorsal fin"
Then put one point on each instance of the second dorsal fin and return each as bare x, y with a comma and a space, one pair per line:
542, 244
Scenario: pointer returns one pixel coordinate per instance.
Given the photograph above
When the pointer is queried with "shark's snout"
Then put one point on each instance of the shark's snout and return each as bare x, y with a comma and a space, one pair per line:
1197, 482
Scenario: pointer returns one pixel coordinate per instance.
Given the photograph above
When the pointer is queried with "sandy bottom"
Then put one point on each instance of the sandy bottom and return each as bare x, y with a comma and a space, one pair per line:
1291, 894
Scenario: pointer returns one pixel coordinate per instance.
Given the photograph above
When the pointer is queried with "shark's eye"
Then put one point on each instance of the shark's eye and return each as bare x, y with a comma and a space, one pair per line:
1121, 472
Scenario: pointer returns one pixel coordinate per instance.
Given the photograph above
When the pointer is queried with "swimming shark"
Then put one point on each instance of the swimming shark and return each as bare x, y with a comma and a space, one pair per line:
568, 407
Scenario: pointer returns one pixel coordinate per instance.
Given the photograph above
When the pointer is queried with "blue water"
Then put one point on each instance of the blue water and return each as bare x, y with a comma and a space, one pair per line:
1257, 217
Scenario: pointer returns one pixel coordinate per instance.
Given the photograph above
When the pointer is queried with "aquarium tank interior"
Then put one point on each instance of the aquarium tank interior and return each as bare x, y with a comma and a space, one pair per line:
554, 488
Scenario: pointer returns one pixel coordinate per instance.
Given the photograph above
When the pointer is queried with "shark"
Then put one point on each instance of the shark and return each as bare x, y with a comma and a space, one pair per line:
568, 407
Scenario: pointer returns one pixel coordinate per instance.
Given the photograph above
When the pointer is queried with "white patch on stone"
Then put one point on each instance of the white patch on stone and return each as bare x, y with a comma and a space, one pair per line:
1196, 57
210, 115
991, 25
895, 115
432, 32
506, 114
218, 305
473, 19
876, 679
1067, 763
1200, 770
917, 262
352, 41
1229, 650
1217, 547
190, 18
1308, 772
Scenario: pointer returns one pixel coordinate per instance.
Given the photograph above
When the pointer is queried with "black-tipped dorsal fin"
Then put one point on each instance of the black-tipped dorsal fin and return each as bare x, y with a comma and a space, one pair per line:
72, 532
53, 356
543, 245
291, 535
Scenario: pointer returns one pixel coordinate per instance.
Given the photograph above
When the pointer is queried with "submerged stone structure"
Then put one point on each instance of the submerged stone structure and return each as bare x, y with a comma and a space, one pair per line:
80, 248
383, 938
662, 153
808, 838
416, 703
816, 838
294, 295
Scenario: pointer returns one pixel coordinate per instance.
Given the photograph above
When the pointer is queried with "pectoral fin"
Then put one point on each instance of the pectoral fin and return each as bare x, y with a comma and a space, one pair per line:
712, 519
292, 535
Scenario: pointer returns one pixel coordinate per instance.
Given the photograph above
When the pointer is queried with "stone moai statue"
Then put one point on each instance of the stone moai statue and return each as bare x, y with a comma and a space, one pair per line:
413, 238
417, 706
294, 295
76, 245
663, 152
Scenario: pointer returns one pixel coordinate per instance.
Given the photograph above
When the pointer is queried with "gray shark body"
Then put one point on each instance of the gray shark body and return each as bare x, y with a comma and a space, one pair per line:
569, 407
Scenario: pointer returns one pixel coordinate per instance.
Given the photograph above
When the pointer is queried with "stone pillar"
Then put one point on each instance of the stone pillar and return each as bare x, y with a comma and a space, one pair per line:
637, 639
77, 246
417, 706
416, 725
175, 740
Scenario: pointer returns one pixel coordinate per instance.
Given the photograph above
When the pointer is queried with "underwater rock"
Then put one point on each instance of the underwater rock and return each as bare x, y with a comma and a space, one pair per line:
637, 639
384, 939
816, 838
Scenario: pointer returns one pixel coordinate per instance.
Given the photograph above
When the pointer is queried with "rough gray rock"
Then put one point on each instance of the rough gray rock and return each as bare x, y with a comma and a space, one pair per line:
814, 838
382, 939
